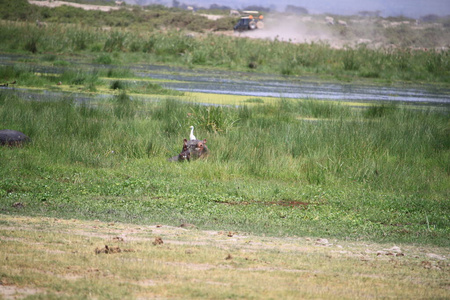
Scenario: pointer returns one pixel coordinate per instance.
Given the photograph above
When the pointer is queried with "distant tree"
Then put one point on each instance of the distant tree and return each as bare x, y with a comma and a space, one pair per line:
430, 18
175, 3
257, 7
367, 13
141, 2
15, 9
222, 7
298, 10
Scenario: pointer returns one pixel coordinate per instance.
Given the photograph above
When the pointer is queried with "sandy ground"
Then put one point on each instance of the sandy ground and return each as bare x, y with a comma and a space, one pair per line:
50, 3
306, 29
73, 250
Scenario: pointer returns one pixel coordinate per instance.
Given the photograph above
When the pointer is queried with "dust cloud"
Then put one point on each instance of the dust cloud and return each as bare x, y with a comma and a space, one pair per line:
292, 29
341, 32
301, 30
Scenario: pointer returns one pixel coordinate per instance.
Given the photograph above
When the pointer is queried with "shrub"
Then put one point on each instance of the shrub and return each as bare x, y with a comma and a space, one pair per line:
115, 42
118, 85
124, 107
31, 44
104, 59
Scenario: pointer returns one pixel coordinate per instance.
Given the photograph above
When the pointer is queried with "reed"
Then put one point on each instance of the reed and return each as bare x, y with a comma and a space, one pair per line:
178, 48
385, 165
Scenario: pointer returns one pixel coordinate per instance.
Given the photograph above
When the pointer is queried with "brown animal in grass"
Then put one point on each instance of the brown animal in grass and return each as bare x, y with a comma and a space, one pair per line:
198, 148
191, 149
185, 153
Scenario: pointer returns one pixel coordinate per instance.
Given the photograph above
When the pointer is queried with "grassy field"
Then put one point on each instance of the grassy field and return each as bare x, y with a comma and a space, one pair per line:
50, 258
72, 32
314, 199
289, 168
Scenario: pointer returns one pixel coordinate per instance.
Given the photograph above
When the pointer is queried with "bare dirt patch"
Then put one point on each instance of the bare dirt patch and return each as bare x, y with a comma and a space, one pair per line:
53, 4
41, 254
15, 292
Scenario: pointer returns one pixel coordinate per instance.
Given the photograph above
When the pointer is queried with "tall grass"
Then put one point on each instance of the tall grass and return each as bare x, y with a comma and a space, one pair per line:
175, 47
390, 148
360, 171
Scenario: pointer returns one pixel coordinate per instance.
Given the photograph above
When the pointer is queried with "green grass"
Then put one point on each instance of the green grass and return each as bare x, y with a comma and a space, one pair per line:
122, 46
289, 168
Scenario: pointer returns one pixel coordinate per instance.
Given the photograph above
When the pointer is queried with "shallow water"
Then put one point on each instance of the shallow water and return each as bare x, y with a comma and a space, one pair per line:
263, 85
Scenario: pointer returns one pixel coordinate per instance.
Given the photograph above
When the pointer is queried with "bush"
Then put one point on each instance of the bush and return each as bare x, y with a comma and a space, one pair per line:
115, 42
104, 59
118, 85
31, 44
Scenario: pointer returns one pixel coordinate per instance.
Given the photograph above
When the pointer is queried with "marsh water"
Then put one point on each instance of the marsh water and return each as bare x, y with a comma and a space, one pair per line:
259, 85
294, 87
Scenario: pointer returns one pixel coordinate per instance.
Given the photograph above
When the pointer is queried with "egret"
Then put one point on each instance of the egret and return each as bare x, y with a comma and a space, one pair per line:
192, 136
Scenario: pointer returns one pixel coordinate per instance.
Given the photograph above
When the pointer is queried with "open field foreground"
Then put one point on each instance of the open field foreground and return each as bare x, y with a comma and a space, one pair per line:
55, 258
318, 170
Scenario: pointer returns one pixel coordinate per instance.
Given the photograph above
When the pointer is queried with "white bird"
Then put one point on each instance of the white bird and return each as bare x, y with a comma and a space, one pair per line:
192, 136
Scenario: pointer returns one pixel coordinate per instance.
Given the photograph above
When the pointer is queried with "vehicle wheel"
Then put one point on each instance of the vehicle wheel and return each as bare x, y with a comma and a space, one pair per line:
260, 25
252, 25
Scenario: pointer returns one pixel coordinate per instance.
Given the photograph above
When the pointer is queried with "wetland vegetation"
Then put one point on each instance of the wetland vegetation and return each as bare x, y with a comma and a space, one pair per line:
291, 168
131, 37
379, 173
283, 168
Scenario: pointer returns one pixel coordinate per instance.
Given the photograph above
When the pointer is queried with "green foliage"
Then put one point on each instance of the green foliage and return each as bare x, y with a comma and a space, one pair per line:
254, 100
376, 174
151, 17
124, 107
77, 77
31, 44
117, 85
104, 59
180, 48
349, 60
378, 111
15, 9
119, 72
153, 88
115, 42
214, 118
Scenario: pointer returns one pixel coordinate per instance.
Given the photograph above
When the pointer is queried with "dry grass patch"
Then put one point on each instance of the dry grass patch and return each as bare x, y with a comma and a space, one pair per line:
81, 259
